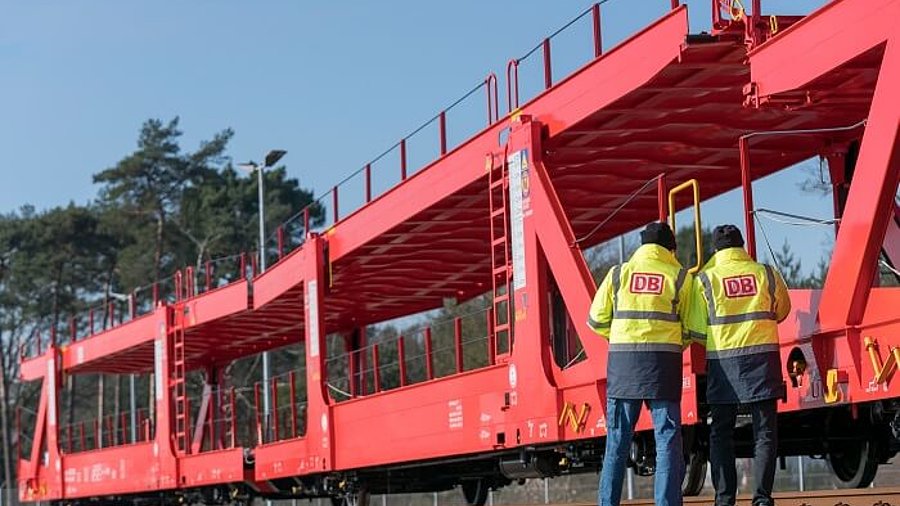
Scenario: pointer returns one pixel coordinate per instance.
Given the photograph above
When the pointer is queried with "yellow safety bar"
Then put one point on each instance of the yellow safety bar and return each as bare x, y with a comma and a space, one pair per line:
691, 183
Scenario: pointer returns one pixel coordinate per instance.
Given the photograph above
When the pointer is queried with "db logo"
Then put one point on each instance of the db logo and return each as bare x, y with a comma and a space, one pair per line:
642, 282
740, 286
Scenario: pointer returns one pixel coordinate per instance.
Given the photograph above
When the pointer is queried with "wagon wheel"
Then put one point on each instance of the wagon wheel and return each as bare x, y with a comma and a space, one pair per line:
358, 497
854, 463
695, 459
694, 473
475, 491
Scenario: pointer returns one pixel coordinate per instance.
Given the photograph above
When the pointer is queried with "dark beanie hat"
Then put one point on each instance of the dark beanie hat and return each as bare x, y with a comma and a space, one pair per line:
727, 236
658, 233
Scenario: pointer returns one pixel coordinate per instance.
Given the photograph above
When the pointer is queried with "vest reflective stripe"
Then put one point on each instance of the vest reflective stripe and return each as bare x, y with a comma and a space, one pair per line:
626, 347
645, 315
625, 314
696, 336
747, 350
595, 324
616, 272
679, 282
743, 317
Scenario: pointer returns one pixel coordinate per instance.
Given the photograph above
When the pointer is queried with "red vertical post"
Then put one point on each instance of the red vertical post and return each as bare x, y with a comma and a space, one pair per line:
259, 427
491, 337
334, 203
493, 106
401, 360
189, 282
361, 366
233, 420
429, 363
675, 4
305, 220
598, 39
123, 423
97, 442
155, 294
243, 265
213, 419
275, 408
368, 174
747, 184
755, 16
132, 305
442, 128
548, 69
293, 389
91, 321
402, 159
457, 339
19, 431
512, 85
661, 200
280, 241
178, 288
208, 272
351, 368
82, 437
376, 373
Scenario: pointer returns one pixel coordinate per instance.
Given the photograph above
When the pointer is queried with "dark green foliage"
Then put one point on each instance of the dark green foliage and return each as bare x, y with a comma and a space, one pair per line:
159, 209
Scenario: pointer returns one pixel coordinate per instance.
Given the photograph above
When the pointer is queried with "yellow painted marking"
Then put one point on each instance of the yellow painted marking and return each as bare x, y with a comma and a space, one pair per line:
832, 390
576, 419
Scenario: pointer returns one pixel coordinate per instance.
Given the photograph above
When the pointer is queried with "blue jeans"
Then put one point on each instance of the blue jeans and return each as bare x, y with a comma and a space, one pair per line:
621, 417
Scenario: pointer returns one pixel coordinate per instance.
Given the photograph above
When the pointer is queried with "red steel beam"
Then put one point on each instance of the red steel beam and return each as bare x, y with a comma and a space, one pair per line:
605, 80
806, 51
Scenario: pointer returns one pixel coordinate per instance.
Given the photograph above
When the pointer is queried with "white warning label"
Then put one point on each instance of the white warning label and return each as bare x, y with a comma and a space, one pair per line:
518, 185
455, 415
312, 304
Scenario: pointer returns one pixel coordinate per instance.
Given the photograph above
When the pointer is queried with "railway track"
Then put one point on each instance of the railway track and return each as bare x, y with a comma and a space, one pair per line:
851, 497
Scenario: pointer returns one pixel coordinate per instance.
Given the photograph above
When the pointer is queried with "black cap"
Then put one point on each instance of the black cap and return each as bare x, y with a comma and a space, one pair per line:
727, 236
658, 233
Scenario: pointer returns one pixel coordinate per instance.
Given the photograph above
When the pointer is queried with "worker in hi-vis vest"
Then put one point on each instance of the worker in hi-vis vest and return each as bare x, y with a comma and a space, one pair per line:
735, 309
639, 308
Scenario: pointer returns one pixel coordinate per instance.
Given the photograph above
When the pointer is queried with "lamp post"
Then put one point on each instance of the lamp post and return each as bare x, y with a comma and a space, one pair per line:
270, 160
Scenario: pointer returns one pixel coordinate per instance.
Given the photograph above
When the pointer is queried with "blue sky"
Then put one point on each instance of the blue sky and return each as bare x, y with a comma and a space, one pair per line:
334, 83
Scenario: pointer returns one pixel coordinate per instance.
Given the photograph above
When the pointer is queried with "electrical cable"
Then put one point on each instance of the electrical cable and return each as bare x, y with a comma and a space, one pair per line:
616, 211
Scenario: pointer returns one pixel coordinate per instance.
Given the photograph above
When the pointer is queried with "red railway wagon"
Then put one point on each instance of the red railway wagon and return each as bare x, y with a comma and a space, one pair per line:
509, 213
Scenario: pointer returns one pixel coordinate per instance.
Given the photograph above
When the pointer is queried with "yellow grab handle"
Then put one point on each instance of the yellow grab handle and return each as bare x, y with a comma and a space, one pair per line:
691, 183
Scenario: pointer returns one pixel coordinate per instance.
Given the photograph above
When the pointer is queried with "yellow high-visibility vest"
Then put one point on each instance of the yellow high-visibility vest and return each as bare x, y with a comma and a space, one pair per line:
640, 303
736, 305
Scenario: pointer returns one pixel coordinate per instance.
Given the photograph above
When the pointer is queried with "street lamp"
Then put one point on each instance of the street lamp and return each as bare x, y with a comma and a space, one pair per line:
270, 160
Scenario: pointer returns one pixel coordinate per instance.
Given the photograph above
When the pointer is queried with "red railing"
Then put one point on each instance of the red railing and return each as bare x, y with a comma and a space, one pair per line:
143, 300
341, 201
463, 343
286, 418
106, 432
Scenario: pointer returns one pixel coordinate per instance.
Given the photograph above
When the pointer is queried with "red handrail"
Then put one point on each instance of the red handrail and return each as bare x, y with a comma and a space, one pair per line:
442, 132
548, 68
429, 363
401, 360
457, 339
512, 85
376, 373
490, 83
